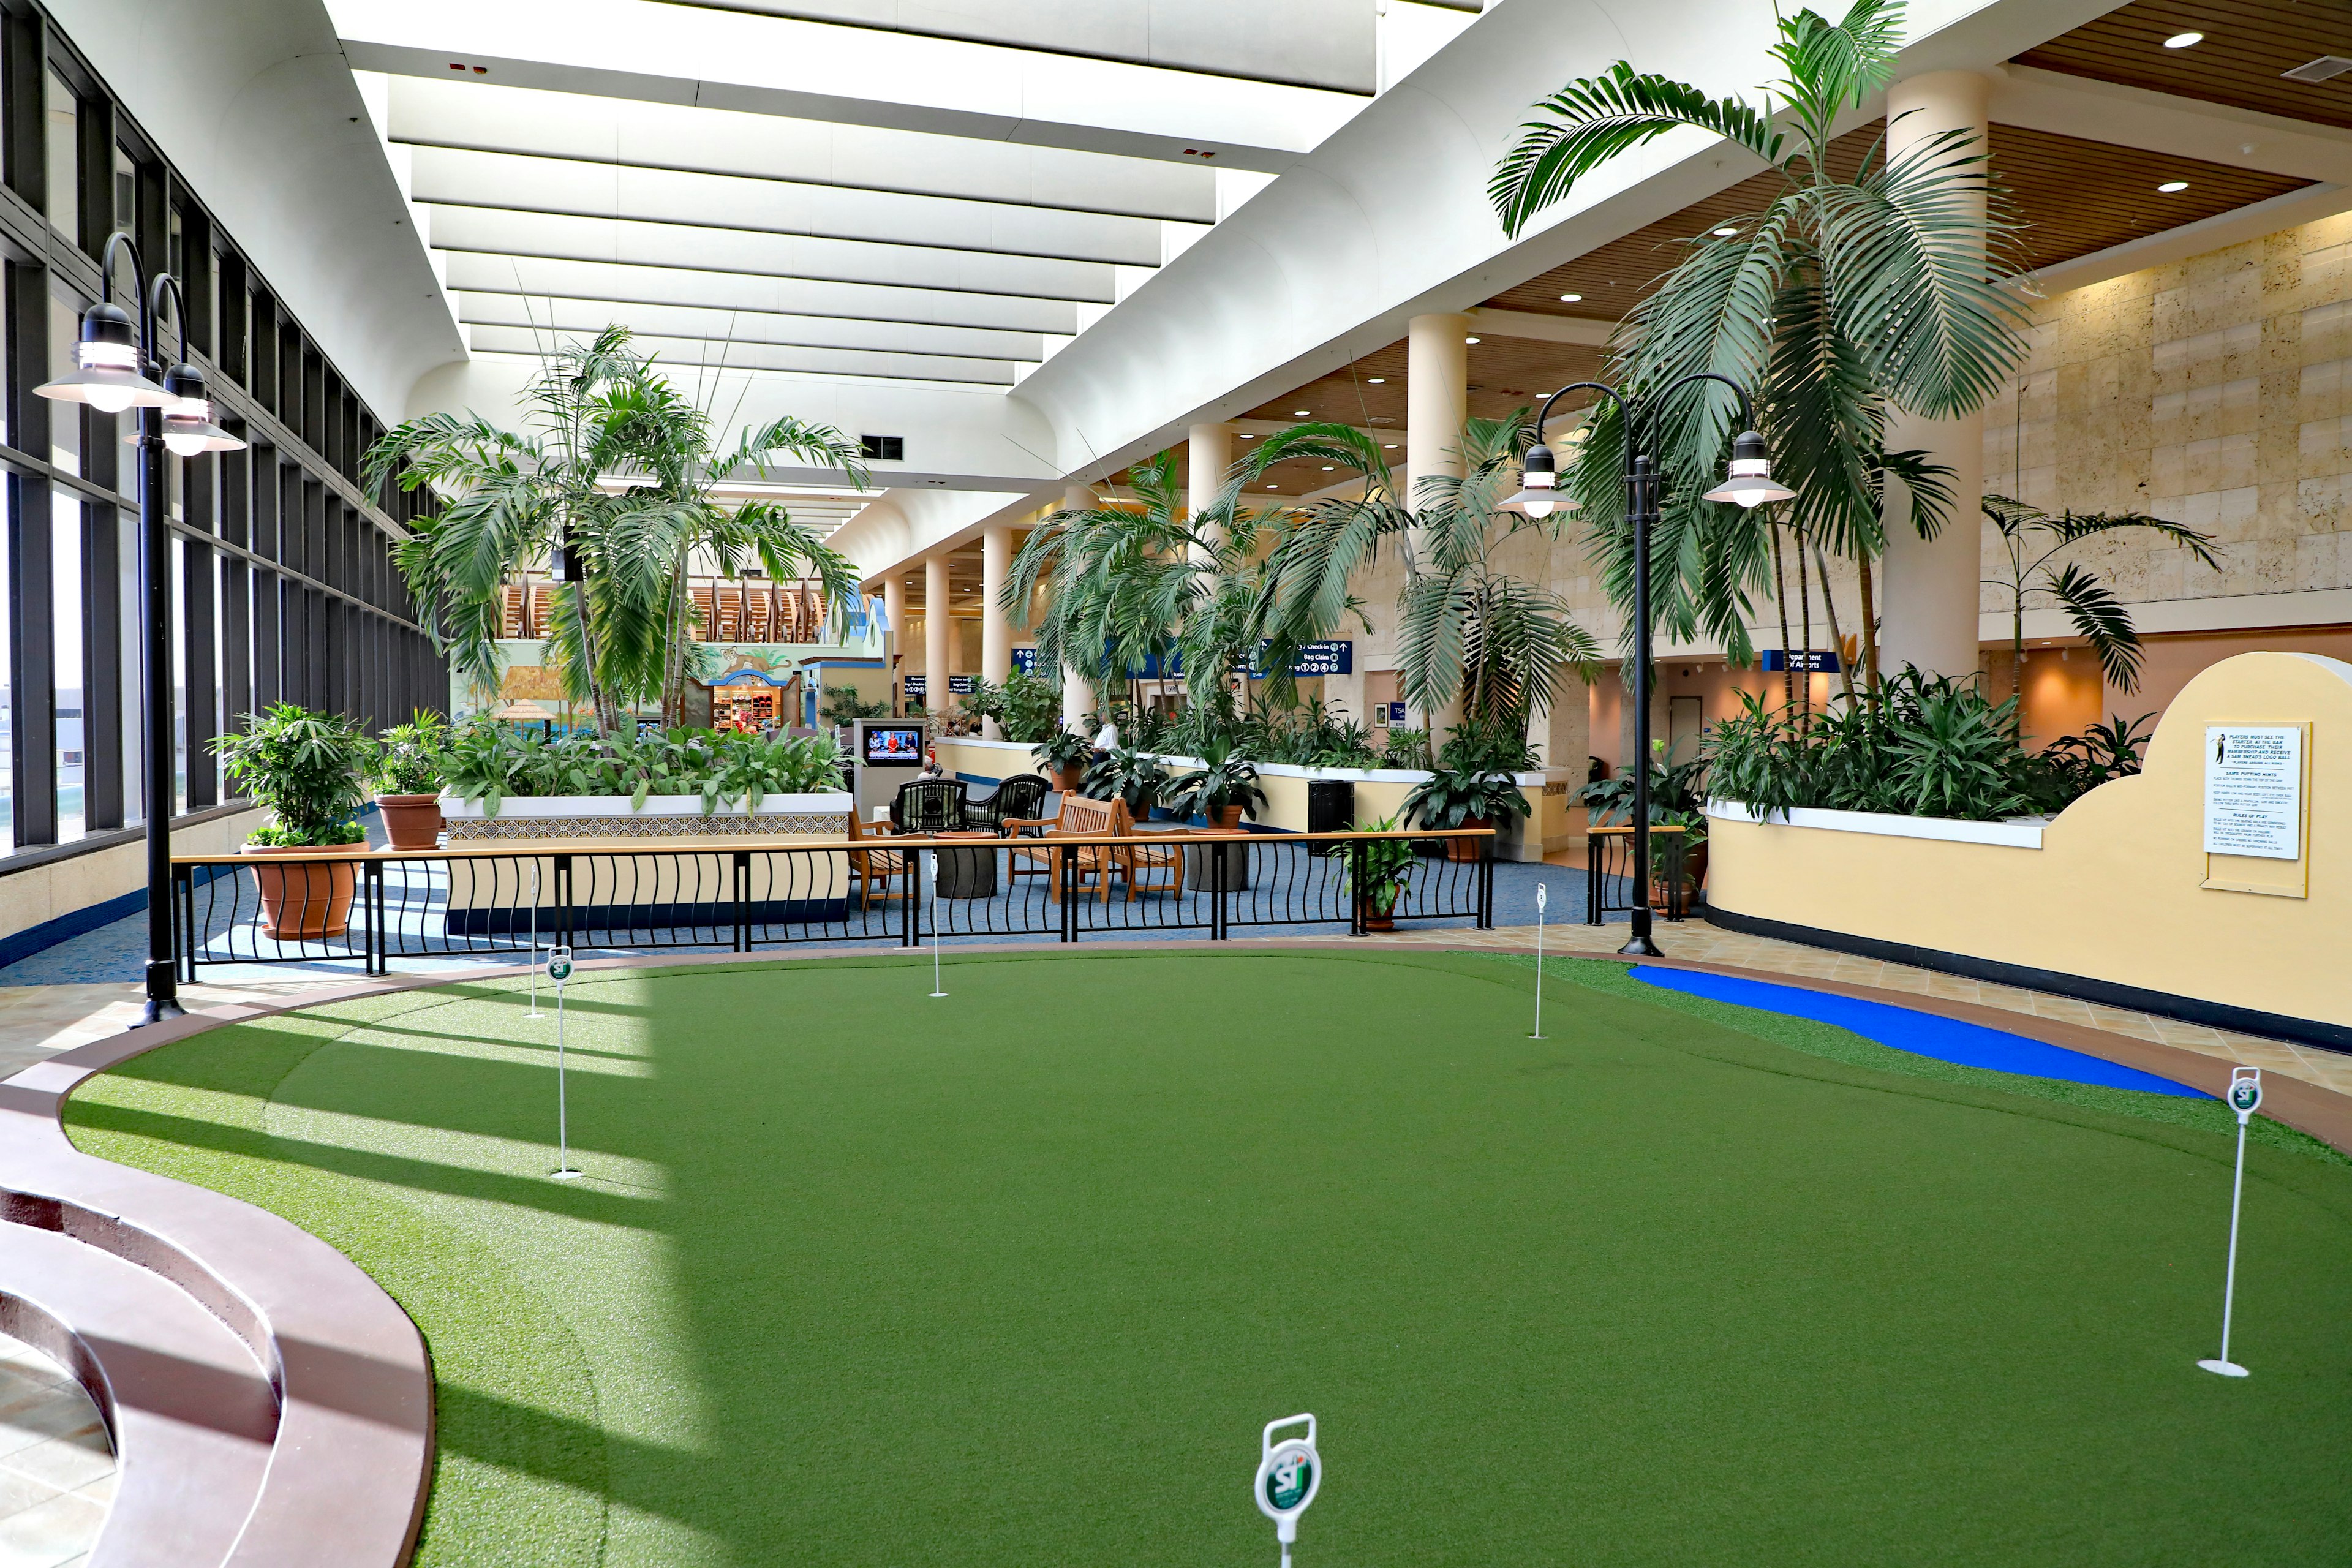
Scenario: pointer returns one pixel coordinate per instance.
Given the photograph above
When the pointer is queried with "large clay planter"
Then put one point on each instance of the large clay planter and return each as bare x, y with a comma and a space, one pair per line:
299, 903
1226, 818
1466, 848
1068, 780
412, 821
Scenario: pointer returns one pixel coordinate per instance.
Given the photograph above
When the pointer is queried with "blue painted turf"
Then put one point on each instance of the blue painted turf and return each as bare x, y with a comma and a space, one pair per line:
1921, 1033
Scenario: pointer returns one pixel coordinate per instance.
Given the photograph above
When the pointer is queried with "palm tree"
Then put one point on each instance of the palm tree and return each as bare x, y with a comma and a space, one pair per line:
1843, 300
616, 465
2099, 615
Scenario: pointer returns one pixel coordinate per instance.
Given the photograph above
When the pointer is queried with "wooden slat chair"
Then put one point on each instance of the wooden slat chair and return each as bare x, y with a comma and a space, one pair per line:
878, 871
1078, 818
763, 614
1159, 868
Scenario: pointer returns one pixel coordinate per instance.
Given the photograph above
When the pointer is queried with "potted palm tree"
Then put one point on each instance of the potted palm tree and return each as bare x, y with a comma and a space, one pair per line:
309, 769
1386, 864
408, 781
1222, 788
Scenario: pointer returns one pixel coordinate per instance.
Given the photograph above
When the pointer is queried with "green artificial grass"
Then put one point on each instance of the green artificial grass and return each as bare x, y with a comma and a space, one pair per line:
860, 1276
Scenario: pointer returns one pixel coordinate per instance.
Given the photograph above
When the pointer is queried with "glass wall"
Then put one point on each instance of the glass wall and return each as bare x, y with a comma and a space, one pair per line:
276, 582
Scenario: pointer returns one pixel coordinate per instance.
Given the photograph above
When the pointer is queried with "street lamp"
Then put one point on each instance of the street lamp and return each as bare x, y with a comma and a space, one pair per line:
115, 370
1748, 483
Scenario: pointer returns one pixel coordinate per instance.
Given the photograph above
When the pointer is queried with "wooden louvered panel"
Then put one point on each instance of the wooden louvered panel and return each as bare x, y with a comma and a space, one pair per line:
510, 613
731, 613
706, 611
2249, 46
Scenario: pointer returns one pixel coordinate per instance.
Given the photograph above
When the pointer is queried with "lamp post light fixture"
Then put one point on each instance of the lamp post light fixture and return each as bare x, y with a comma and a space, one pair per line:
1748, 483
116, 369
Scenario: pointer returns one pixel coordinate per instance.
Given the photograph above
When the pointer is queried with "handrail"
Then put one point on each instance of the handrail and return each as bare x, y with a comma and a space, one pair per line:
590, 845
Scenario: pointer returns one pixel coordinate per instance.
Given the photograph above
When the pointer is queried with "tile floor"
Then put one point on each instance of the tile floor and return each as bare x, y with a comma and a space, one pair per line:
56, 1467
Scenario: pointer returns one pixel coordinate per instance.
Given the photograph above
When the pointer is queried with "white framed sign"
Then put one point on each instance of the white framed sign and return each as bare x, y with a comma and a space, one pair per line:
2253, 790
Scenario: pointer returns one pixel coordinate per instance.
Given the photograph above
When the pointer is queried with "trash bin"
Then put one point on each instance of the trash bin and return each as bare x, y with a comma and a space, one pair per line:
1331, 805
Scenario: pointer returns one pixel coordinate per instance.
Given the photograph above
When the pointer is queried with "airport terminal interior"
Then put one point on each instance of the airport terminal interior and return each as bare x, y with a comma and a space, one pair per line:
807, 782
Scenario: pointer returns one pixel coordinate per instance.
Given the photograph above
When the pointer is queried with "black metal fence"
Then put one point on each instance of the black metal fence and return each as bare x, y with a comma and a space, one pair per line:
1609, 873
372, 908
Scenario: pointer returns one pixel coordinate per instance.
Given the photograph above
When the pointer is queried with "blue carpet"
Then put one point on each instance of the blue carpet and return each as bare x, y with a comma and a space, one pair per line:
1921, 1033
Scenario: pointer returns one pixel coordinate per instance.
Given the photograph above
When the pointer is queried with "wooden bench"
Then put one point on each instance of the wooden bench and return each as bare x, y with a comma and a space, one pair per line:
1079, 818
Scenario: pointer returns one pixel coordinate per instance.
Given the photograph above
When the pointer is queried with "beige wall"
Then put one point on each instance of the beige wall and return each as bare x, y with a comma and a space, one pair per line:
2114, 893
38, 894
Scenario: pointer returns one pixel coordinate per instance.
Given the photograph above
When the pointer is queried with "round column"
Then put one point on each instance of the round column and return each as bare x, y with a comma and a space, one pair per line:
1078, 697
936, 627
1929, 603
1437, 402
1209, 448
995, 631
894, 611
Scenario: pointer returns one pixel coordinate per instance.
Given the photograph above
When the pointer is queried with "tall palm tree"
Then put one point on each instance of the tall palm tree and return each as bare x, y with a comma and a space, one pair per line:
1843, 300
615, 464
2032, 539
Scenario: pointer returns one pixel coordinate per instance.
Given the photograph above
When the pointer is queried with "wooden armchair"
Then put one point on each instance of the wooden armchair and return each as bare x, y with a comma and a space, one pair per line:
875, 868
1078, 818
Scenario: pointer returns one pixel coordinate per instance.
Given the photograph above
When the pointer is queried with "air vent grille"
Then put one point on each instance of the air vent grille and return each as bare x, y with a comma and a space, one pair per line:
882, 448
2326, 68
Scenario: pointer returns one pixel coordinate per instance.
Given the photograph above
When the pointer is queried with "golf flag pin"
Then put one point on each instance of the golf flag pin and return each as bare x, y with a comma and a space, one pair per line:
2245, 1091
1289, 1474
559, 964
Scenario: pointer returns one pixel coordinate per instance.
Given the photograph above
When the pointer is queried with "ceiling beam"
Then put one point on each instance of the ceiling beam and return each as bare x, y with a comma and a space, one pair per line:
716, 326
1488, 321
774, 65
740, 356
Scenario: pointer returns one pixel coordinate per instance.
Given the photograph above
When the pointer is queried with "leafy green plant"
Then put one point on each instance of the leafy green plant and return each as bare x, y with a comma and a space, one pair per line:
487, 762
409, 762
1386, 866
844, 704
1224, 778
1128, 773
1407, 751
308, 768
1062, 749
1471, 781
1677, 787
1026, 708
2031, 541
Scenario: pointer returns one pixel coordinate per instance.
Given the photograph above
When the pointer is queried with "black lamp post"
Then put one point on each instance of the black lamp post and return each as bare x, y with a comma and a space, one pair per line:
115, 371
1749, 484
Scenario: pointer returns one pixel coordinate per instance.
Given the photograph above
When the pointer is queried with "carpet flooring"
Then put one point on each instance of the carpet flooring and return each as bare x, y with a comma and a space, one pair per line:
857, 1275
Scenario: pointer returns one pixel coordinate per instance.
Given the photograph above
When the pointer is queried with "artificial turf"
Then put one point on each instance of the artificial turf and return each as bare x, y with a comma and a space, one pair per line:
1015, 1277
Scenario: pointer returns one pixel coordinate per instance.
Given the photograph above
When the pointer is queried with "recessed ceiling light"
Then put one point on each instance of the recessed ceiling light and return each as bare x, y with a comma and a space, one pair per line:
1376, 380
1569, 299
1300, 413
1326, 467
1273, 487
2171, 186
2184, 41
1469, 340
1725, 232
1388, 445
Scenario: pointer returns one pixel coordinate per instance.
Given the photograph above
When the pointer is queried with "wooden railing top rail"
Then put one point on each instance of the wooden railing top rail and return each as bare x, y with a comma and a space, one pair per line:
555, 845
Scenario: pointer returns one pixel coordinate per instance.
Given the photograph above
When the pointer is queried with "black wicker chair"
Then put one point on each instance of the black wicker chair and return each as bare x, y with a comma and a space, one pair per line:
930, 805
1021, 797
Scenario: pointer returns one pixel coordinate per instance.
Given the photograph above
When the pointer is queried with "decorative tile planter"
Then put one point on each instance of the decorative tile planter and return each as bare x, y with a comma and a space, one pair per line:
620, 875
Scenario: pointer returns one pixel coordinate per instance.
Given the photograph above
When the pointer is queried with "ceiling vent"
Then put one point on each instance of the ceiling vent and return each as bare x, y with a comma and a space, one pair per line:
882, 448
2326, 68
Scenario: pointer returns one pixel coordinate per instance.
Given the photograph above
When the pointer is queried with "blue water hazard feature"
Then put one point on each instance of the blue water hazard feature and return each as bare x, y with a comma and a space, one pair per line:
1921, 1033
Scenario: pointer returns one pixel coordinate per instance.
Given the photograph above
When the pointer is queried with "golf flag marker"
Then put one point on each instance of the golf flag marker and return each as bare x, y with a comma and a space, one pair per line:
1542, 897
1289, 1474
938, 939
2246, 1094
559, 969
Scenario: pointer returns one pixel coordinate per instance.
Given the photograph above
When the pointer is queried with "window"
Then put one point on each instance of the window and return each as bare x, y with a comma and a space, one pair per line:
65, 418
126, 189
65, 624
64, 157
8, 709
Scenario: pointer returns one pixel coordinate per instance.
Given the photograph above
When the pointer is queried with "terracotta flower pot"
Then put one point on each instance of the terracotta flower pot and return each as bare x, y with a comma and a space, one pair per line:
1226, 818
1068, 780
304, 902
1380, 922
1466, 848
412, 821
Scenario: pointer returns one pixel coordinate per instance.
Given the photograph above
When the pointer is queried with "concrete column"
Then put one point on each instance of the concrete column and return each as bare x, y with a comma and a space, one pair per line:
894, 610
937, 633
1209, 448
1929, 602
1437, 402
995, 631
1078, 697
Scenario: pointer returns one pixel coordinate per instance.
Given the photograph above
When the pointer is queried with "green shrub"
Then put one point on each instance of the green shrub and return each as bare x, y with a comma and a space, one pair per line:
308, 768
488, 762
410, 760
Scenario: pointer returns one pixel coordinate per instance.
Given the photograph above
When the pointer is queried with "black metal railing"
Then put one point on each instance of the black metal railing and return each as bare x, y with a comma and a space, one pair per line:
1609, 873
372, 908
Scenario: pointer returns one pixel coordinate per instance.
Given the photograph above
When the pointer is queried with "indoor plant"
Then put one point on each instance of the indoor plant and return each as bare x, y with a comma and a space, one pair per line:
1129, 774
309, 769
1063, 757
1470, 786
1386, 866
1222, 788
408, 781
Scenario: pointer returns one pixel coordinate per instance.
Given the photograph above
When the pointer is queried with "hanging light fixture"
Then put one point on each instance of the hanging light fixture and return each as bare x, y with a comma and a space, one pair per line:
107, 357
1750, 482
188, 427
1538, 494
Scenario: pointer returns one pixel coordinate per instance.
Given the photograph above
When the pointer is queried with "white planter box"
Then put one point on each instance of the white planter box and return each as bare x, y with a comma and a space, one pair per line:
617, 806
542, 819
2018, 833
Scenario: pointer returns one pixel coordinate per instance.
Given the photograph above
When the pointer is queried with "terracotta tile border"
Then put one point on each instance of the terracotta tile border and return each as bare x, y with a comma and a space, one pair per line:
352, 1458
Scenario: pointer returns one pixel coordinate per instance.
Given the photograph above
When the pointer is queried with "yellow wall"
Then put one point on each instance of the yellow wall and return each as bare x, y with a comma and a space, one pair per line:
2113, 893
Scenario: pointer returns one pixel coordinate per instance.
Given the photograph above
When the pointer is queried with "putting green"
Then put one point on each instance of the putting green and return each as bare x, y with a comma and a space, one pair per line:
860, 1276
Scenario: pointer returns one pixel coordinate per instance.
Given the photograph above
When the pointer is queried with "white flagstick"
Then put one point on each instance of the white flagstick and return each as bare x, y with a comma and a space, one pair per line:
1289, 1474
534, 1012
559, 969
1540, 899
938, 939
2245, 1093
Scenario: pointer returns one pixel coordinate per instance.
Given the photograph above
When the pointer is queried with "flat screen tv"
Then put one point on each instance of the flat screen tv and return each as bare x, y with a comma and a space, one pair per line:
894, 745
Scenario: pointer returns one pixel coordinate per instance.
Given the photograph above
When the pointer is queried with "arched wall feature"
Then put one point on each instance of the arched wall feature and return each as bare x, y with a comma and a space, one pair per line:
2115, 900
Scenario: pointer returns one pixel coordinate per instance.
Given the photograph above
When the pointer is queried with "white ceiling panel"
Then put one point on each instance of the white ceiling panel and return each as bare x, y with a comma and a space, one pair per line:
428, 112
574, 316
764, 356
771, 255
475, 272
578, 188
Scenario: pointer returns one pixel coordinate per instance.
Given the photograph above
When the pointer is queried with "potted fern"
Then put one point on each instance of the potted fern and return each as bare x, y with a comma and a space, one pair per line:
1386, 866
1222, 788
408, 781
1470, 786
309, 769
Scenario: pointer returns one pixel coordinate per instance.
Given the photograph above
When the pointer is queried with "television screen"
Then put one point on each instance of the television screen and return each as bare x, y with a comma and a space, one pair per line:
895, 745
